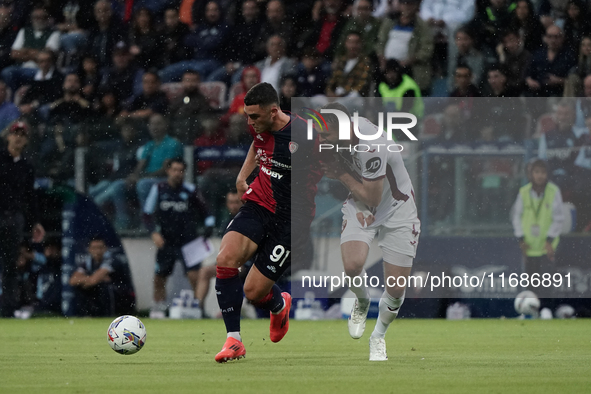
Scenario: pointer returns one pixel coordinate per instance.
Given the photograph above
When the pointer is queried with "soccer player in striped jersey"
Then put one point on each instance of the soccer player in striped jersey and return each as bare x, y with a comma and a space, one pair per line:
381, 203
262, 228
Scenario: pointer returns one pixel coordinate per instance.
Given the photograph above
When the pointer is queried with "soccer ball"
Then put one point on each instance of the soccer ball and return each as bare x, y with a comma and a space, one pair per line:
527, 303
126, 335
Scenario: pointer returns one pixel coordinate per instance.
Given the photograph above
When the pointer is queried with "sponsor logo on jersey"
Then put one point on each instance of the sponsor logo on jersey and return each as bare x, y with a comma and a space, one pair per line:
272, 268
260, 138
373, 165
271, 173
177, 206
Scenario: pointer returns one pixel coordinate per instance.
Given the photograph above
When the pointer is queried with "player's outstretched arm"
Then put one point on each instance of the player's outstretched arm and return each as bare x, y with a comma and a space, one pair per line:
247, 168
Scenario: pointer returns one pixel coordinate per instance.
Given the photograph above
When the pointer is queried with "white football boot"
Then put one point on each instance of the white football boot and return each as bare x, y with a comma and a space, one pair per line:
357, 320
377, 349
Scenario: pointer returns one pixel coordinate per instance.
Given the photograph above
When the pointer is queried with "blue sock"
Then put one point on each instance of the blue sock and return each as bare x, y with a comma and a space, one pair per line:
228, 288
272, 302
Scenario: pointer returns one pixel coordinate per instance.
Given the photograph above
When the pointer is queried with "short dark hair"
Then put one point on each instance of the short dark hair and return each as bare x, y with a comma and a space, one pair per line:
176, 160
536, 163
97, 238
331, 118
498, 67
262, 94
153, 73
192, 72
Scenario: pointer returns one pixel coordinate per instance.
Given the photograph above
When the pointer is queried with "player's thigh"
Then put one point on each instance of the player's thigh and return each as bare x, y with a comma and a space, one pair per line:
235, 250
355, 241
243, 236
257, 285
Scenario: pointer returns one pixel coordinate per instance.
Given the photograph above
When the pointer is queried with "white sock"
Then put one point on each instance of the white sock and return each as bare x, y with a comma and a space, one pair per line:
360, 291
235, 335
389, 307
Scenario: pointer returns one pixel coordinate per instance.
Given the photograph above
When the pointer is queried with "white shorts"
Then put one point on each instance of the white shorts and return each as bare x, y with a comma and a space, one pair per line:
403, 238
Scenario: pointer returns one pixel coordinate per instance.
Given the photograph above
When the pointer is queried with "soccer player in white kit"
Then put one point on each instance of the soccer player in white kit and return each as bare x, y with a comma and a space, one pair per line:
381, 203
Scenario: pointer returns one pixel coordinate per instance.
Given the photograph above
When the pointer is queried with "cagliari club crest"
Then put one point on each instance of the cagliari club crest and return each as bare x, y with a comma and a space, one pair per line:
293, 147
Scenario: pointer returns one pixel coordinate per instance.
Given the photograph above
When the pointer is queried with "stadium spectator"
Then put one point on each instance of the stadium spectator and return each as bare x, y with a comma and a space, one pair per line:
447, 16
399, 92
573, 86
71, 108
8, 111
453, 126
550, 65
525, 21
89, 76
515, 59
275, 24
19, 212
498, 83
94, 290
117, 188
577, 24
233, 204
187, 109
488, 25
405, 37
276, 65
123, 78
26, 48
552, 11
250, 77
288, 89
151, 168
466, 54
240, 50
145, 43
537, 220
206, 42
8, 32
58, 152
584, 104
444, 17
150, 101
173, 212
28, 264
45, 87
564, 136
174, 34
328, 22
49, 278
463, 86
351, 76
311, 77
106, 33
73, 20
364, 23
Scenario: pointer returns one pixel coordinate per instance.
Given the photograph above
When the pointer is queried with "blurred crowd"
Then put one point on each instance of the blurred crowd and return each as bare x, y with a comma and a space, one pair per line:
134, 82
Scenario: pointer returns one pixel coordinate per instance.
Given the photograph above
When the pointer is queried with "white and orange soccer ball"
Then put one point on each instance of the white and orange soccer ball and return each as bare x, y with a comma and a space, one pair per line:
126, 335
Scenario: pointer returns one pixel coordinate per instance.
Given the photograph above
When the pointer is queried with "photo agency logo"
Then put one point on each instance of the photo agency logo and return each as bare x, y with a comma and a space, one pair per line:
344, 130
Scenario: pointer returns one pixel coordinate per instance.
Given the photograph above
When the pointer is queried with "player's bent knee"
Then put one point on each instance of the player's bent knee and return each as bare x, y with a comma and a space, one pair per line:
253, 295
227, 260
352, 267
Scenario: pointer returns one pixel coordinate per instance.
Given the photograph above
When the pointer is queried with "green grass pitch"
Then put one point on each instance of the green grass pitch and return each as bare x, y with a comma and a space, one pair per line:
426, 356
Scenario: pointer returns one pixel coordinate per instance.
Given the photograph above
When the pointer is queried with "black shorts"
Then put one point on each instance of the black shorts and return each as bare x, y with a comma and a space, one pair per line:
167, 257
272, 235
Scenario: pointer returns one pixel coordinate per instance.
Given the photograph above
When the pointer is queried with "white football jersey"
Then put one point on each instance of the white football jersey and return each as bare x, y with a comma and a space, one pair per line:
374, 161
